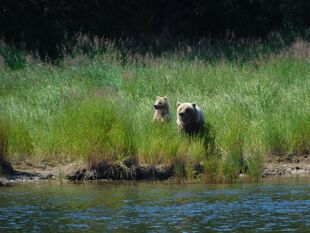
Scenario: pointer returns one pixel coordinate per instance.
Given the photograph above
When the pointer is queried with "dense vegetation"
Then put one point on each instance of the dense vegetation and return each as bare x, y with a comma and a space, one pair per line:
98, 105
48, 26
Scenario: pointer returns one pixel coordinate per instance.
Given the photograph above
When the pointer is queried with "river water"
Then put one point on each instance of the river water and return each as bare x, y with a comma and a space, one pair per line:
272, 205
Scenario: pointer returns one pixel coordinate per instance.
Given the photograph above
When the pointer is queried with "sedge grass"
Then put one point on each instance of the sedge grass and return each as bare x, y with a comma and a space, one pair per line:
100, 108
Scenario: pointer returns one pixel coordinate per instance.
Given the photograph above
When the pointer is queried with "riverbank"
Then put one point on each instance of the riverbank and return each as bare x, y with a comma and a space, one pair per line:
284, 165
287, 165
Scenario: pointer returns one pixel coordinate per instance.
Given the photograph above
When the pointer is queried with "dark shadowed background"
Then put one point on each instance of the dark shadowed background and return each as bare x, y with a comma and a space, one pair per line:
49, 26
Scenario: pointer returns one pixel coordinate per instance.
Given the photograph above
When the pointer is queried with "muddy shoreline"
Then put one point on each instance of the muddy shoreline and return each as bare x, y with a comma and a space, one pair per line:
275, 165
29, 172
287, 164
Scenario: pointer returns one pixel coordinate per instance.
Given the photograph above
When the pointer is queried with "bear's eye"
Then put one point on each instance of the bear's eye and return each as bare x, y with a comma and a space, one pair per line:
187, 110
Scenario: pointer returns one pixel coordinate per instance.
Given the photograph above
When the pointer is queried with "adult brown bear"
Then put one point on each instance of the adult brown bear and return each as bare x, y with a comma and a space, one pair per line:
190, 119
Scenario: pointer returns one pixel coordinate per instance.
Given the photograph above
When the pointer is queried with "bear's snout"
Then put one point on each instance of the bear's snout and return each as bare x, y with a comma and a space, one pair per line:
181, 114
156, 106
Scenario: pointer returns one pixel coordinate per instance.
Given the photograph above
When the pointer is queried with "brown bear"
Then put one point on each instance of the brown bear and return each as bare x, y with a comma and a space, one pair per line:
190, 118
162, 113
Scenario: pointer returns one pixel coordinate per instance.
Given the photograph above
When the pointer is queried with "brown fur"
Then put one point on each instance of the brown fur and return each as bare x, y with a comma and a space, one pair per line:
190, 118
162, 113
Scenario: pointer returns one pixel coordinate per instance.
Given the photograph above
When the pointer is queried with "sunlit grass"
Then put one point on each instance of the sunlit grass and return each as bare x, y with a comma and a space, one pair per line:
101, 109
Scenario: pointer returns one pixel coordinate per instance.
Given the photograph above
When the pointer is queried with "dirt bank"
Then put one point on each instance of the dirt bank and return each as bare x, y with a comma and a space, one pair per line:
29, 172
282, 165
287, 164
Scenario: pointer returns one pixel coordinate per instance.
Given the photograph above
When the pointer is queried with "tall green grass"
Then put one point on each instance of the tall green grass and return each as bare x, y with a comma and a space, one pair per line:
99, 107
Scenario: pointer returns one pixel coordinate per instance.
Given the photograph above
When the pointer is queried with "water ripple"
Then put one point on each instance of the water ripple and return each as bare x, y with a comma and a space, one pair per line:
142, 207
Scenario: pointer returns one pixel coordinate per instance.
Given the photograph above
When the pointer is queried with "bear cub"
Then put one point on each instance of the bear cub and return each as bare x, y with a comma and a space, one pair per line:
162, 113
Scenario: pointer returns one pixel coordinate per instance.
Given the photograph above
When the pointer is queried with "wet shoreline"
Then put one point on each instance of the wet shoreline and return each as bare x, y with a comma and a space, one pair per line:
287, 166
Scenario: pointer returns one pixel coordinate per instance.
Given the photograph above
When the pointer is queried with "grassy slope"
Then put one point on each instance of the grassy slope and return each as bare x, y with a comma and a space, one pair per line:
101, 108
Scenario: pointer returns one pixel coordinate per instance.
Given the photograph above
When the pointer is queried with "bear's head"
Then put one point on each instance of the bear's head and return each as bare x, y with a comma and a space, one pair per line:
186, 112
161, 103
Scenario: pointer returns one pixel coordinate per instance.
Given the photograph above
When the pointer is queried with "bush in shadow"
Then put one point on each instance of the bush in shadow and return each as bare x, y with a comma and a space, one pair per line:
5, 166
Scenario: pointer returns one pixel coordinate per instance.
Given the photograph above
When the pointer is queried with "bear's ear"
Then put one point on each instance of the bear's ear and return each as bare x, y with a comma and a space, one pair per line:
165, 98
194, 105
178, 104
